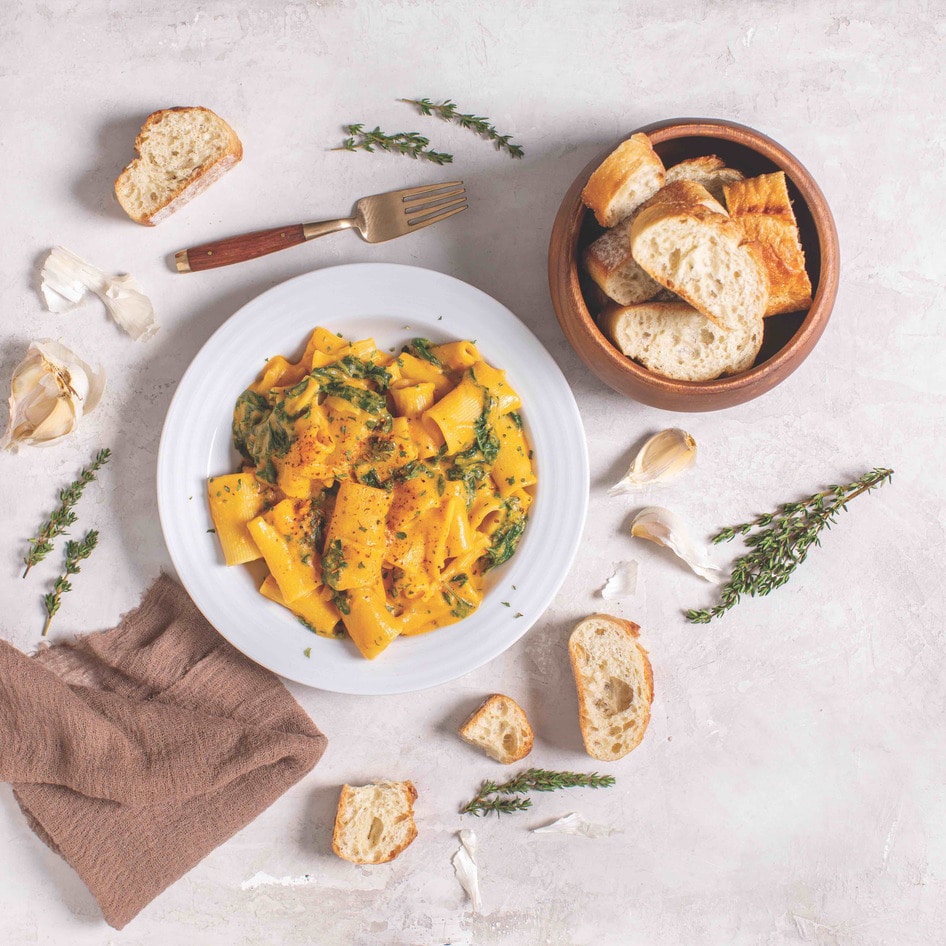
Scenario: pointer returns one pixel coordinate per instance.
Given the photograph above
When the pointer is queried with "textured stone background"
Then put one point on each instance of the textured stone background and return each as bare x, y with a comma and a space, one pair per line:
792, 786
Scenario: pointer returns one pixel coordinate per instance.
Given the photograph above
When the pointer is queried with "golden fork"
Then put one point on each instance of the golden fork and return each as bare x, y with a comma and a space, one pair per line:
377, 219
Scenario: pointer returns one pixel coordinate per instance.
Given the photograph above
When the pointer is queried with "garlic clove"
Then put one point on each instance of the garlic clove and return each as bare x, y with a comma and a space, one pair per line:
52, 388
662, 458
665, 528
623, 580
66, 280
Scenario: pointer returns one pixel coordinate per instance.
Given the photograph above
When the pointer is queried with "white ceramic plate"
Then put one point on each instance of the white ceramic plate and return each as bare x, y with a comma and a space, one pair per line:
391, 304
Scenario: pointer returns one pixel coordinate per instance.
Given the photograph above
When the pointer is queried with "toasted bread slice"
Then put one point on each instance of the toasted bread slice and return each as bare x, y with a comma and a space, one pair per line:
674, 340
375, 822
609, 262
182, 151
685, 240
624, 180
615, 685
708, 170
761, 206
500, 728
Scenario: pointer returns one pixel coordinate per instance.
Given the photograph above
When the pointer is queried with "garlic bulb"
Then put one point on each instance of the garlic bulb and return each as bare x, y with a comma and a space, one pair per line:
66, 280
667, 529
52, 388
464, 864
665, 456
623, 580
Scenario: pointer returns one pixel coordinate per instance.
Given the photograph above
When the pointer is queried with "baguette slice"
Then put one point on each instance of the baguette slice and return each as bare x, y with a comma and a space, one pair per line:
624, 180
182, 151
609, 262
500, 728
685, 240
708, 170
674, 340
761, 206
615, 685
374, 822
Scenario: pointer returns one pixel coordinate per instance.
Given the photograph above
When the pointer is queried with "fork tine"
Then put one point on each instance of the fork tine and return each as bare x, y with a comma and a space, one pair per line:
411, 192
426, 221
436, 200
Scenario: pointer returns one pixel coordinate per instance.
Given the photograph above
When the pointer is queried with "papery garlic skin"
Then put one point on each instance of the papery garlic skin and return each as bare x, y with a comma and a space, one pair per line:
51, 390
663, 458
66, 279
464, 864
667, 529
574, 823
623, 580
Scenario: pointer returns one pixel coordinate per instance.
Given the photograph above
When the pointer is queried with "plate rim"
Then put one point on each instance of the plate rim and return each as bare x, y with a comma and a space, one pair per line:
390, 686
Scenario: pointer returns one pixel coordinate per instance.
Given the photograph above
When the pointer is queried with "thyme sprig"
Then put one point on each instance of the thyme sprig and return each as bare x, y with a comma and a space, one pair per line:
42, 543
449, 112
76, 551
782, 541
408, 143
532, 780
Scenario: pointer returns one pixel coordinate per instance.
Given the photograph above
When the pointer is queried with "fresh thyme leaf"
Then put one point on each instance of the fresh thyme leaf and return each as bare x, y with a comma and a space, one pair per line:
42, 543
449, 112
781, 542
532, 780
76, 551
408, 143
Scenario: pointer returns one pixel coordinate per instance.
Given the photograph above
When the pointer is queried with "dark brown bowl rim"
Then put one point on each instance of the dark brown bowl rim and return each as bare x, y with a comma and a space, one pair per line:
818, 314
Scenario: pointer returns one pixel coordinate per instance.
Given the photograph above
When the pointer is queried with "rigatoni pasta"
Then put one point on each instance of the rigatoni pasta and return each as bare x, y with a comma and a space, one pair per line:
378, 488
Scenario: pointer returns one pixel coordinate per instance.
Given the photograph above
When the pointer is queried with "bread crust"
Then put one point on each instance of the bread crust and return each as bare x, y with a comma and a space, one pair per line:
345, 800
633, 157
208, 175
632, 632
482, 711
762, 207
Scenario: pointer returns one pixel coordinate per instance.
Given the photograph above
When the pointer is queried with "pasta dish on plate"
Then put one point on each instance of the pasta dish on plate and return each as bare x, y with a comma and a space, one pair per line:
377, 488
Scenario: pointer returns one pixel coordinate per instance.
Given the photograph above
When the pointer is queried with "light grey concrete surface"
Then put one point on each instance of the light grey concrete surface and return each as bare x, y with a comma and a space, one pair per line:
792, 785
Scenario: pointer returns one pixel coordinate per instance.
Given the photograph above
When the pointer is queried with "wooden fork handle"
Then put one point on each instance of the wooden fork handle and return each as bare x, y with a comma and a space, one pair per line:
238, 249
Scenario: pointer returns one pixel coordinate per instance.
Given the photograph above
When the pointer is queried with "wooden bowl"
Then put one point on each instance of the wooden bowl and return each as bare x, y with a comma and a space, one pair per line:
788, 338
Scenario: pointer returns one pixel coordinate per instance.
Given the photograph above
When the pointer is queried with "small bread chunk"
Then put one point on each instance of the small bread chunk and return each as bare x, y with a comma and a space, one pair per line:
610, 264
182, 152
615, 685
674, 340
374, 823
685, 240
624, 180
500, 728
708, 170
761, 206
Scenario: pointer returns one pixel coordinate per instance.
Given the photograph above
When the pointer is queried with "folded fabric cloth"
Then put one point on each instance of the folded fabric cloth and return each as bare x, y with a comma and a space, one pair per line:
134, 752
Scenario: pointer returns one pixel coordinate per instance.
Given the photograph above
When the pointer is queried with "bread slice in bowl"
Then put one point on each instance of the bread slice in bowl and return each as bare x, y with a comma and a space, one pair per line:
762, 207
708, 170
610, 263
374, 823
672, 339
182, 151
615, 685
684, 239
627, 177
500, 727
